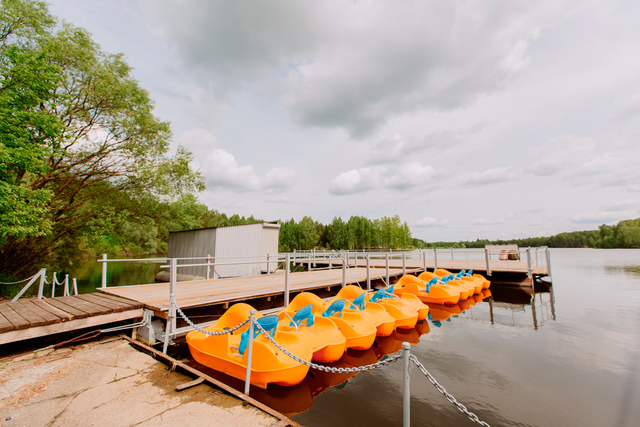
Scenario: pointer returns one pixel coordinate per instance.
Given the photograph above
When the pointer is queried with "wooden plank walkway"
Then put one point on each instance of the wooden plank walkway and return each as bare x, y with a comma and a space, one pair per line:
209, 292
478, 266
32, 318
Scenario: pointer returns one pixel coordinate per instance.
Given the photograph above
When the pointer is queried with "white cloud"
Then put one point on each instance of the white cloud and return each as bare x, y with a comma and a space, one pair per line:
410, 175
428, 221
491, 176
352, 65
356, 181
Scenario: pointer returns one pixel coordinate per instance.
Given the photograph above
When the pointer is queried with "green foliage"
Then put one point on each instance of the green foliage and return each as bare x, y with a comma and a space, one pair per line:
82, 157
357, 233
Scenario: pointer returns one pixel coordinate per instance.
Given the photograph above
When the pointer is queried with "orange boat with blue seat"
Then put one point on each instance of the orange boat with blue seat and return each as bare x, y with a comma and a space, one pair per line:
227, 352
359, 329
427, 292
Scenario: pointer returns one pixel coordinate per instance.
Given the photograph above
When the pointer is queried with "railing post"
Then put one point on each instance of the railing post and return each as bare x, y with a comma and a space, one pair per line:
548, 253
27, 286
286, 279
247, 379
344, 272
309, 261
170, 326
314, 257
424, 260
75, 286
486, 258
387, 267
435, 259
529, 267
53, 285
104, 271
406, 385
43, 277
355, 259
329, 260
368, 273
404, 263
66, 286
208, 265
268, 264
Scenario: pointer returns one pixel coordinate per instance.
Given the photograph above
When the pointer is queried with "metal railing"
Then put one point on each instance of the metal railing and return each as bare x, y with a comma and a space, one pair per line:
42, 275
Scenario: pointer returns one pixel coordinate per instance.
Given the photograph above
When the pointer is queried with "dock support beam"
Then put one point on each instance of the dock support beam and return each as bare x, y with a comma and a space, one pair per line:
406, 385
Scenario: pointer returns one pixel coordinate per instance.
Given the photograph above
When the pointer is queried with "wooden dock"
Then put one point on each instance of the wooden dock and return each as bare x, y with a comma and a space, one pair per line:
32, 318
210, 292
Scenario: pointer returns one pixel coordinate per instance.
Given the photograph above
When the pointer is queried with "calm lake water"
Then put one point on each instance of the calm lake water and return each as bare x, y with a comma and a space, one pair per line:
572, 358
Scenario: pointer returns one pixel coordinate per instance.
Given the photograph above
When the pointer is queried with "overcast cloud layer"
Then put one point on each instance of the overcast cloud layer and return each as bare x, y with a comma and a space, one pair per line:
469, 119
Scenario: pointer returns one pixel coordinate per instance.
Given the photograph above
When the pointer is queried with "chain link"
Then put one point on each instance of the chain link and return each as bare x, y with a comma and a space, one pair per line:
19, 281
385, 361
473, 417
204, 331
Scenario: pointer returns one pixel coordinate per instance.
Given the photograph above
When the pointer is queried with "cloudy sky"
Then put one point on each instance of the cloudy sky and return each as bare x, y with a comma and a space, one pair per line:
468, 119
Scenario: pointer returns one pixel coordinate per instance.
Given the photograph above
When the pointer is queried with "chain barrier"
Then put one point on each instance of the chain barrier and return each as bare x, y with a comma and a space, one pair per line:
19, 281
385, 361
473, 417
204, 331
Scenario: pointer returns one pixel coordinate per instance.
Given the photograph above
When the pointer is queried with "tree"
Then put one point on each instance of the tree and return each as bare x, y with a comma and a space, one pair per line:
78, 136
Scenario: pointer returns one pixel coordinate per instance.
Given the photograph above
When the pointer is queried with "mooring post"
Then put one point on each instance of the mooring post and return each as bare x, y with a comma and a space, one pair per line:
344, 272
247, 378
104, 271
75, 286
387, 262
435, 259
170, 326
286, 279
368, 273
406, 386
404, 263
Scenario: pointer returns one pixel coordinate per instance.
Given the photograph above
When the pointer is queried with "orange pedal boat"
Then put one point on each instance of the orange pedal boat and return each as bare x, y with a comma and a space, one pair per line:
226, 353
427, 292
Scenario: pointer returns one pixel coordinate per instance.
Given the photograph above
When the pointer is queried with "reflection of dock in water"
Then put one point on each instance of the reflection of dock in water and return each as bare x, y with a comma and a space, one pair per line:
519, 306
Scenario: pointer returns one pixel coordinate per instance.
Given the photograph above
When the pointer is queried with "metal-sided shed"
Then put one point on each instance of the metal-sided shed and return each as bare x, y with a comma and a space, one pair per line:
236, 243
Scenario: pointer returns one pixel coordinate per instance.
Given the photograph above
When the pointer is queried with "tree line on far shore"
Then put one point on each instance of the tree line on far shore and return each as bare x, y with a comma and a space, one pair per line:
625, 234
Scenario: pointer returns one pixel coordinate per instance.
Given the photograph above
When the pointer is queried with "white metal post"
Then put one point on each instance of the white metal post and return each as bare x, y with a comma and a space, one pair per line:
355, 259
387, 268
424, 260
43, 277
286, 281
404, 263
435, 259
368, 273
247, 379
170, 326
66, 285
75, 286
406, 385
268, 264
53, 285
27, 286
208, 265
486, 258
104, 271
329, 260
529, 267
344, 272
549, 264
